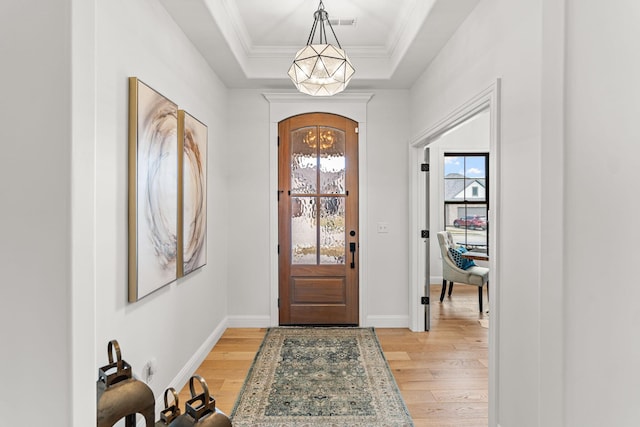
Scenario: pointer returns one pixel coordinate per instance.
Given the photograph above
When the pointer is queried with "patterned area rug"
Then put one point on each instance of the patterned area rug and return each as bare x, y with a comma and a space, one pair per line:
320, 377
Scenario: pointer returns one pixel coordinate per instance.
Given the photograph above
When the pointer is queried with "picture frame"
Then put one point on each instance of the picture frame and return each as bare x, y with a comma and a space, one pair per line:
153, 190
192, 193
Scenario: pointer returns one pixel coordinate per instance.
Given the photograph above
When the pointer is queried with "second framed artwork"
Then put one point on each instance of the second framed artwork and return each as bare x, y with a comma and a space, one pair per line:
192, 194
167, 191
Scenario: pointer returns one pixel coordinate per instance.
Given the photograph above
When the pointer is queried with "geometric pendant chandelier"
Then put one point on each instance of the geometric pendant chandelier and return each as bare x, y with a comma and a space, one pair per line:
321, 69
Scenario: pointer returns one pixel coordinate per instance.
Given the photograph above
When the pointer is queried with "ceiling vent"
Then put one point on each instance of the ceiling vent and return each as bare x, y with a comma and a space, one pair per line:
349, 22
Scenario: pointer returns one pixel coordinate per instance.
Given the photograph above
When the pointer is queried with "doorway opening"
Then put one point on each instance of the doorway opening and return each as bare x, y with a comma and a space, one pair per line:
424, 245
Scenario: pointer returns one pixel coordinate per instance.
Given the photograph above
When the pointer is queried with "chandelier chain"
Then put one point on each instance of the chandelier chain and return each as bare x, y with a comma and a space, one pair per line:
321, 16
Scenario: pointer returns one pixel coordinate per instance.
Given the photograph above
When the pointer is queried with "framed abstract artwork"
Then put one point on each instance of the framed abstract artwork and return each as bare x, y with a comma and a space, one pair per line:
153, 190
192, 193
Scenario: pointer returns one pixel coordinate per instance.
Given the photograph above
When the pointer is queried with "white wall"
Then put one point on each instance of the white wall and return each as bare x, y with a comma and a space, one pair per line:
601, 173
35, 194
502, 39
249, 169
248, 185
140, 39
64, 173
388, 201
567, 344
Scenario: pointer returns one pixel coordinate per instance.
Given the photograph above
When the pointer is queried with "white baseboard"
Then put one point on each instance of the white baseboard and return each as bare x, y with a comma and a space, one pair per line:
396, 321
248, 321
190, 367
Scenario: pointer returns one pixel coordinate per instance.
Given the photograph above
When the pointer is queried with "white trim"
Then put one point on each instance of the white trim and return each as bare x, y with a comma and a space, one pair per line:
248, 321
382, 321
417, 251
198, 357
283, 105
179, 381
467, 110
494, 273
293, 97
83, 268
551, 298
488, 98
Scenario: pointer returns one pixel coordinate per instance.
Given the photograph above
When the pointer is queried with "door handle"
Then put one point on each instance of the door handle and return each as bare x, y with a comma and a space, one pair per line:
352, 249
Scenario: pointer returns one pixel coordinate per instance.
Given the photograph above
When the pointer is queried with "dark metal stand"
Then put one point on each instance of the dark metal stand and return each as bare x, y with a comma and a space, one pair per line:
121, 396
427, 311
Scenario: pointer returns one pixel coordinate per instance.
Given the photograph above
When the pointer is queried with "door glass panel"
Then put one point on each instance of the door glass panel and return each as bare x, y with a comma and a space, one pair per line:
304, 248
332, 230
332, 161
304, 160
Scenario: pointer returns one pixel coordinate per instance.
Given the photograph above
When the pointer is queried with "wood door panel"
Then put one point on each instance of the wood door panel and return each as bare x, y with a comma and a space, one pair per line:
318, 220
318, 290
318, 270
310, 314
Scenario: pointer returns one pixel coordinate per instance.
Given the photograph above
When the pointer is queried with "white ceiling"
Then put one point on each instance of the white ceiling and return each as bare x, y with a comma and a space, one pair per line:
251, 43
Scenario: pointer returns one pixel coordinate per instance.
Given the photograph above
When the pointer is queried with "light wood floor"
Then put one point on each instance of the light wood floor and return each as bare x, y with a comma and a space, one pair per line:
442, 374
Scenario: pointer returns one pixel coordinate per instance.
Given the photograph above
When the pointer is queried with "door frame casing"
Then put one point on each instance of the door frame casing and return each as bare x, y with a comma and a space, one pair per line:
322, 291
489, 99
283, 105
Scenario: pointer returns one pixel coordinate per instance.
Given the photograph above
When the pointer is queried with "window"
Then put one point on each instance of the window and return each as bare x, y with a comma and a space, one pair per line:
466, 198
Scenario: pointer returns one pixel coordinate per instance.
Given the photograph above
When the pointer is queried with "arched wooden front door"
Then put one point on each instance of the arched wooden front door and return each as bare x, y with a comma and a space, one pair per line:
318, 220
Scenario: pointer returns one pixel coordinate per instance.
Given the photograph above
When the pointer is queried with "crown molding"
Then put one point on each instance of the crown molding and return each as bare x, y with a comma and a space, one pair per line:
296, 97
412, 23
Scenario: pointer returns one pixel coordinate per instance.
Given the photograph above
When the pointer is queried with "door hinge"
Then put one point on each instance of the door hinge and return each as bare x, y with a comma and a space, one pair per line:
424, 234
357, 130
424, 300
278, 140
424, 167
278, 249
278, 302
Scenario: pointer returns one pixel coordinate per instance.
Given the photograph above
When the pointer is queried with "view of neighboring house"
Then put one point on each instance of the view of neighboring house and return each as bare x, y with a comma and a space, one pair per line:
457, 188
